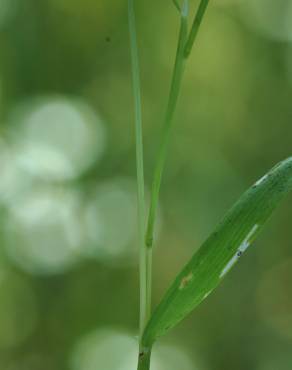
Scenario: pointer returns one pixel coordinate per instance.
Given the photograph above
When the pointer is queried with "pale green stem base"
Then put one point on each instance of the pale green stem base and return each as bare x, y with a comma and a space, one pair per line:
144, 359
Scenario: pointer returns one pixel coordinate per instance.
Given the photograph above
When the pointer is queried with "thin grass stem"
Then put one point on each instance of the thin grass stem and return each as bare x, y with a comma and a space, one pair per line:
184, 48
195, 27
165, 136
185, 43
145, 255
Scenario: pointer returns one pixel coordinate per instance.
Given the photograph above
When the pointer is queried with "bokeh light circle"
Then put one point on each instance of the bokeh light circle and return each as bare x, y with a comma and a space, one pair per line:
57, 138
14, 180
43, 233
111, 220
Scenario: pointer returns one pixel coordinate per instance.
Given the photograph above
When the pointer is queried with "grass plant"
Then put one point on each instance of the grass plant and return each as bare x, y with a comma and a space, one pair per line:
238, 229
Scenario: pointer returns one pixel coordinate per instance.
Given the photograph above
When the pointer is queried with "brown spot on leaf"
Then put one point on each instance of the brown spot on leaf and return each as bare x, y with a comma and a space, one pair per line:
186, 280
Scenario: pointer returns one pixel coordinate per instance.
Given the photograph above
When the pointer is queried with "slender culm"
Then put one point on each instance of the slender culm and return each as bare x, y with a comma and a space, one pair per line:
145, 255
145, 243
185, 44
195, 27
166, 130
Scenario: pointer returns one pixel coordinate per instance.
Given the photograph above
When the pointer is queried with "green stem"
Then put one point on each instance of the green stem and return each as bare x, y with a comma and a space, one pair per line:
144, 359
185, 45
195, 27
145, 254
165, 137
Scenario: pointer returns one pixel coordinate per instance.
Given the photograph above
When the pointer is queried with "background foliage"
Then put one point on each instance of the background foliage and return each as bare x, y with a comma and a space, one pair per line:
68, 267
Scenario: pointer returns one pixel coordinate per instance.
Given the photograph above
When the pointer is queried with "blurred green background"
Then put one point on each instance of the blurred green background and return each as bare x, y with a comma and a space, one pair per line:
68, 266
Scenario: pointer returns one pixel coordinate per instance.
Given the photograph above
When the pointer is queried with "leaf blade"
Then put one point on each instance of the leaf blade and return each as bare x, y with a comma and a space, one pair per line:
220, 251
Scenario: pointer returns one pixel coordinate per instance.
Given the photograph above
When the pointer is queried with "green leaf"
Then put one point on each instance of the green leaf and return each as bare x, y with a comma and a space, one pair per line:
220, 251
